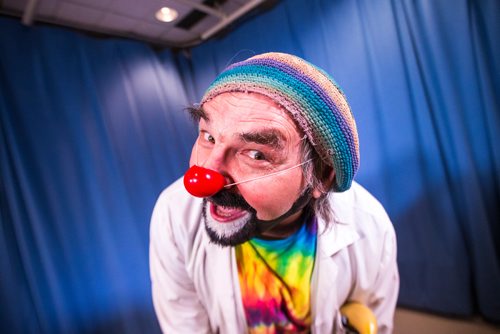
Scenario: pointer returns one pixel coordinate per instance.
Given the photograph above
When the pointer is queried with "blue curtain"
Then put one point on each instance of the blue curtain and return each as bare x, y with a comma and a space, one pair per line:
423, 80
90, 132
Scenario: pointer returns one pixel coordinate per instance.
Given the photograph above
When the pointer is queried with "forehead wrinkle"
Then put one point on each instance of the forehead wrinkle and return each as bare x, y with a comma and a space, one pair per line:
268, 137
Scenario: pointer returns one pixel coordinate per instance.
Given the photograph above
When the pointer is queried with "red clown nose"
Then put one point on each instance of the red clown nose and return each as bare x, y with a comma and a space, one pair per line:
203, 182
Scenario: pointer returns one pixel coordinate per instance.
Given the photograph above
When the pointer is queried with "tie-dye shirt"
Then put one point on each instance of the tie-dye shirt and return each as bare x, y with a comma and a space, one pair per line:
275, 281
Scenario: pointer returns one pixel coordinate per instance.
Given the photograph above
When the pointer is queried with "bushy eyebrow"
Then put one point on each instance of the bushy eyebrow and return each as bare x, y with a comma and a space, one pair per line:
197, 113
268, 137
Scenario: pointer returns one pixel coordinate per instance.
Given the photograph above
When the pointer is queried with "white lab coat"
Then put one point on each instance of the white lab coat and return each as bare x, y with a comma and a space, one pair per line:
195, 282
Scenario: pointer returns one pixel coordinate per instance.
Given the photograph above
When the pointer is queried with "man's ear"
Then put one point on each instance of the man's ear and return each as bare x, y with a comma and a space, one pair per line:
328, 178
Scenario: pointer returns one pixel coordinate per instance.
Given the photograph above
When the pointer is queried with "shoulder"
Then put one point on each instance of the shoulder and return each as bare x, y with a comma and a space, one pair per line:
357, 206
365, 252
177, 201
176, 212
359, 221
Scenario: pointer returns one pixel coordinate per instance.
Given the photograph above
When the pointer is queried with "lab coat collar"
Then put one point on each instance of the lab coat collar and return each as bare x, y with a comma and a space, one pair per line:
339, 233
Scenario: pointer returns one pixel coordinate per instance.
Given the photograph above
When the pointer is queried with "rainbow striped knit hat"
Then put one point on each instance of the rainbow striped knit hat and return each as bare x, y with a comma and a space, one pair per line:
313, 99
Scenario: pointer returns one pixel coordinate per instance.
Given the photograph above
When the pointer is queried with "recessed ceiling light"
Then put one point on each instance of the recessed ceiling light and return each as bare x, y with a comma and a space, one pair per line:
166, 14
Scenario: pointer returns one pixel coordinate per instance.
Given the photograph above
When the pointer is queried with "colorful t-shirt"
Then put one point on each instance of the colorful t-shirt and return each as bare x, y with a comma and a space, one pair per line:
275, 281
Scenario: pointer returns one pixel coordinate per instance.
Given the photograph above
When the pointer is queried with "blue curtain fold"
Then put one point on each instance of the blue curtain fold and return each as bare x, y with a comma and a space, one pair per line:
89, 133
91, 130
422, 79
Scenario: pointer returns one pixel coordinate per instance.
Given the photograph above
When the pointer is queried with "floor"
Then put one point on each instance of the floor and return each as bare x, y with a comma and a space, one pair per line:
413, 322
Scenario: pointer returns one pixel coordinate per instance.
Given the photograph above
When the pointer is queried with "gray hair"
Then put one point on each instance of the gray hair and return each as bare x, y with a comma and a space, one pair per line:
314, 176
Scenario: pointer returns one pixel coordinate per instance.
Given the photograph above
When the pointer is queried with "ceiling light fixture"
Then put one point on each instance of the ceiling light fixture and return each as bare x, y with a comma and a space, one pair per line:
166, 14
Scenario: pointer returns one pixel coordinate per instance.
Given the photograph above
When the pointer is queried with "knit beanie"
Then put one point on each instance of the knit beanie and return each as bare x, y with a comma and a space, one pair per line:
312, 98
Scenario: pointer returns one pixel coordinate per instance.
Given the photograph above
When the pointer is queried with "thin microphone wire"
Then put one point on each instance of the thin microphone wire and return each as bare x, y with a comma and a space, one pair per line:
258, 177
270, 174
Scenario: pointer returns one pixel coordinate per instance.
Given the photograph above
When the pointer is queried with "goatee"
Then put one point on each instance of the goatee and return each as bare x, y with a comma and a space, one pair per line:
248, 226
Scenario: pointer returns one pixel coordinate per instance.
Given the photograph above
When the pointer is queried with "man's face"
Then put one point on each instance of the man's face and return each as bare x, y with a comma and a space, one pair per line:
245, 136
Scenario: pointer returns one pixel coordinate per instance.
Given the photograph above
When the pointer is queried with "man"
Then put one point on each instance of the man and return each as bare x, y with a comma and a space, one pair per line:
282, 237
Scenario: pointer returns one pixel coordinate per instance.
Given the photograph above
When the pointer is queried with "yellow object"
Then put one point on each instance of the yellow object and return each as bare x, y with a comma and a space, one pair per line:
359, 318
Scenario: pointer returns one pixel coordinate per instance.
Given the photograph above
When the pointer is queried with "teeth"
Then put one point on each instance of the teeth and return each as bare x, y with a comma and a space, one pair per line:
226, 214
225, 211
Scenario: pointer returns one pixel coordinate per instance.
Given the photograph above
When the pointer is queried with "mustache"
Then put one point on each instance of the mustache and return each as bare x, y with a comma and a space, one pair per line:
230, 199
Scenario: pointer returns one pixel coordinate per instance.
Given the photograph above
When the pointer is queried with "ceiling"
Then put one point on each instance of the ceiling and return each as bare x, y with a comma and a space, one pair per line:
198, 20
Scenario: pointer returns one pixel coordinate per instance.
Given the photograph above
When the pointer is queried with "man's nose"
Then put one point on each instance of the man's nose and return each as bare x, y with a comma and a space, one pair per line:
207, 177
218, 160
203, 182
215, 159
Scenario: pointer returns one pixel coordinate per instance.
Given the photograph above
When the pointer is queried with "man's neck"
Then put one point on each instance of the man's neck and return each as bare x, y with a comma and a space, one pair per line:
285, 228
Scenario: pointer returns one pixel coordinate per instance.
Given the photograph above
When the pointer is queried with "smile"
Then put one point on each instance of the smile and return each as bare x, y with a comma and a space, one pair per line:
226, 214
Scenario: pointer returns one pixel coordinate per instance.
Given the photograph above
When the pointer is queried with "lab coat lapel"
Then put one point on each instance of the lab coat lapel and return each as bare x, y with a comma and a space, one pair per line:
226, 288
331, 240
324, 299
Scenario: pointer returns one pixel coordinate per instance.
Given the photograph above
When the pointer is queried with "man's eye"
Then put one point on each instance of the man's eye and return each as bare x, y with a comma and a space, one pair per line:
256, 155
208, 137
